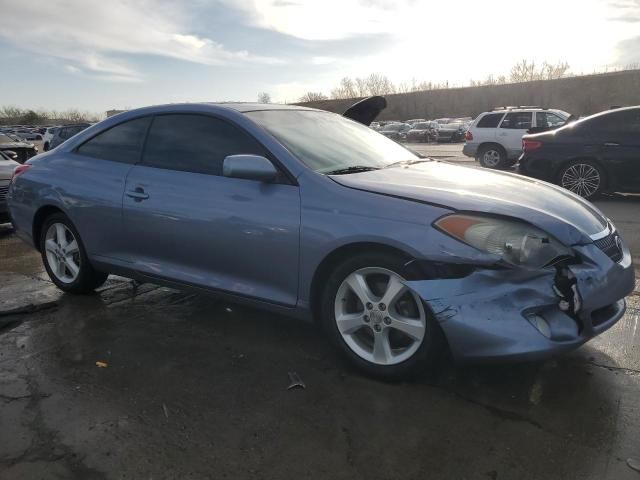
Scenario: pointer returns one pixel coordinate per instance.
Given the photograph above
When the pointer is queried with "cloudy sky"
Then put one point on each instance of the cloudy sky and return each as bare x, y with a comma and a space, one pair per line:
100, 54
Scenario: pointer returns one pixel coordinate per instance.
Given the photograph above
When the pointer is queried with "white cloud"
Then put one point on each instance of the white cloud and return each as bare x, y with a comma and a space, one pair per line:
326, 19
91, 36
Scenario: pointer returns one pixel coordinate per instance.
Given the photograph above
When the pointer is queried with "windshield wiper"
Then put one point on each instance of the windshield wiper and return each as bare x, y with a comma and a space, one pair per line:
407, 162
352, 169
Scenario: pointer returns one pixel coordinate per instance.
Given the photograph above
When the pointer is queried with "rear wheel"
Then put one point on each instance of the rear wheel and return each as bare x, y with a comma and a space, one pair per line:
582, 177
65, 258
375, 321
492, 156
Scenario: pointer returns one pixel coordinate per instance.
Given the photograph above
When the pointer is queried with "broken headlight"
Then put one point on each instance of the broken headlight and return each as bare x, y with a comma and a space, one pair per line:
517, 243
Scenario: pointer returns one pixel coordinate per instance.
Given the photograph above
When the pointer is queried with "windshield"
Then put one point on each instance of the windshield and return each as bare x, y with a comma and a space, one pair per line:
392, 127
421, 126
326, 142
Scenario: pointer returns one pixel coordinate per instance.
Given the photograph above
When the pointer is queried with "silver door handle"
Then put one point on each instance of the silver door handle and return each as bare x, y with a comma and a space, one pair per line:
611, 144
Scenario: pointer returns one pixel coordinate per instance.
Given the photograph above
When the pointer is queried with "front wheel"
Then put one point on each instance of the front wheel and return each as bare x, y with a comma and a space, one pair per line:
65, 258
582, 177
375, 321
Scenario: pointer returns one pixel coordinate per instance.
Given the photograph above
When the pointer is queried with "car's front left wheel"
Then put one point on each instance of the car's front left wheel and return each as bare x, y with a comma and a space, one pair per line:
65, 257
376, 321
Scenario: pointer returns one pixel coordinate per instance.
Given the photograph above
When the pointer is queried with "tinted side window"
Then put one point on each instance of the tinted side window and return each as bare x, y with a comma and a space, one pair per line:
121, 143
517, 120
491, 120
195, 143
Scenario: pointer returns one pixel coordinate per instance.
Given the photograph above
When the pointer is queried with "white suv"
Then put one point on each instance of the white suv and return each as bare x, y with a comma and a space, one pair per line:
48, 136
495, 138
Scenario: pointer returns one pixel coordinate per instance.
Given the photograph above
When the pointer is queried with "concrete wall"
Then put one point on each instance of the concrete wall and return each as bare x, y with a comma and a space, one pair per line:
582, 95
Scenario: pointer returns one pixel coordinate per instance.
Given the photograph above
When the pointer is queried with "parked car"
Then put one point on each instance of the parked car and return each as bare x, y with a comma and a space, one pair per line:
451, 132
22, 150
423, 132
48, 135
597, 154
65, 132
395, 131
312, 215
28, 135
6, 172
495, 138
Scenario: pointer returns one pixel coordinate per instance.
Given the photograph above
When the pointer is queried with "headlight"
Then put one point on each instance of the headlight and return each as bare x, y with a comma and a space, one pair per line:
517, 243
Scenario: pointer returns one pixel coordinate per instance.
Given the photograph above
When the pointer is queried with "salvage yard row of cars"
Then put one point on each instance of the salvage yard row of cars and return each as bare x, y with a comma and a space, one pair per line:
16, 140
427, 131
316, 216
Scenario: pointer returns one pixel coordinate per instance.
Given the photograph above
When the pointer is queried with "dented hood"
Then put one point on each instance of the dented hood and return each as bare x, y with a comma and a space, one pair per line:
564, 215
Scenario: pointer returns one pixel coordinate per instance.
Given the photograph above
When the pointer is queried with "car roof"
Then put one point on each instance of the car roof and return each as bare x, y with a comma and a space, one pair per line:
524, 109
244, 107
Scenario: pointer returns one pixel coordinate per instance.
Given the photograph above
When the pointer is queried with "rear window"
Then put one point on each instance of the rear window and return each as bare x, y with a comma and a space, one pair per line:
121, 143
490, 120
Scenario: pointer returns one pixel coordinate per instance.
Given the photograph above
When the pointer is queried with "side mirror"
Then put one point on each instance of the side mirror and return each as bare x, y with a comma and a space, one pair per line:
249, 167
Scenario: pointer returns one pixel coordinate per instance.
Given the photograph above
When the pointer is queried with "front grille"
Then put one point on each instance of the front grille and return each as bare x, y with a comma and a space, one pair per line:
611, 245
4, 189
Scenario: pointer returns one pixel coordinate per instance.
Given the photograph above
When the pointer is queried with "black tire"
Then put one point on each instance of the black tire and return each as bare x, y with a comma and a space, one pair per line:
492, 156
425, 359
88, 278
587, 190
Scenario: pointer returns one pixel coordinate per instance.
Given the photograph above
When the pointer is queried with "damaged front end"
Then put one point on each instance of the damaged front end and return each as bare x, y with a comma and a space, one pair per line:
523, 313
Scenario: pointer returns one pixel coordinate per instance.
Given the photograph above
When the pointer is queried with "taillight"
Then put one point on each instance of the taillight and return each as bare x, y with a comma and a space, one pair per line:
530, 145
468, 136
19, 170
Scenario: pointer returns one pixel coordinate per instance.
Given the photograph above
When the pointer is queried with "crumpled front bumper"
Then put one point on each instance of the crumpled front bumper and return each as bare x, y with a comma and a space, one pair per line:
490, 314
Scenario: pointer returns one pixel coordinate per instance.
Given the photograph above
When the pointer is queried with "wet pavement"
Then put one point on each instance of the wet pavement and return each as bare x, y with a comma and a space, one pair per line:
190, 387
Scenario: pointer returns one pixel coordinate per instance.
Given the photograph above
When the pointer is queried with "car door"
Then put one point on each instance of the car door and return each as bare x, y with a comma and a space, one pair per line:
184, 221
94, 185
511, 129
618, 139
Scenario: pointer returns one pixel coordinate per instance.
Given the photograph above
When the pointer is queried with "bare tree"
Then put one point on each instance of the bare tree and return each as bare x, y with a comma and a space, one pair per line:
525, 71
313, 97
378, 84
550, 71
264, 97
346, 89
361, 87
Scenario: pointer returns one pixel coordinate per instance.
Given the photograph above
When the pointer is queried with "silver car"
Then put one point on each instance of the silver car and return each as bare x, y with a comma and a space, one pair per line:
312, 215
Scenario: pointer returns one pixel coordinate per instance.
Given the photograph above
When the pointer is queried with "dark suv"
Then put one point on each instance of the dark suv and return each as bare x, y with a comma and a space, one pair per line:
66, 132
596, 154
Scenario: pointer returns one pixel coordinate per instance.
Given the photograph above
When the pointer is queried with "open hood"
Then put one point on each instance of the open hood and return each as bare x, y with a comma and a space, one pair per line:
365, 111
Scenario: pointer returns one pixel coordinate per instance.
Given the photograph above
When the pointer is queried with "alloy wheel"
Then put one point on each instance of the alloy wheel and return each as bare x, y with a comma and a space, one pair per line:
378, 317
582, 179
491, 158
62, 252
